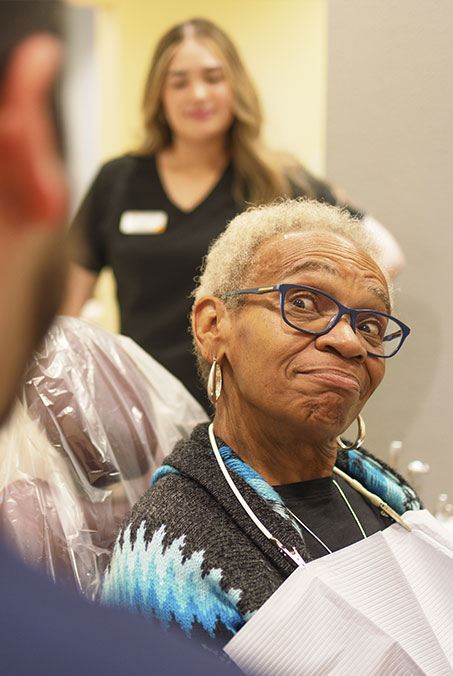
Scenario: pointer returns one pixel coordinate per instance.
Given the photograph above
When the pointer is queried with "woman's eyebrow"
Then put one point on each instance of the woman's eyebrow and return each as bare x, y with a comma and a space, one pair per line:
380, 293
211, 69
183, 73
321, 266
177, 73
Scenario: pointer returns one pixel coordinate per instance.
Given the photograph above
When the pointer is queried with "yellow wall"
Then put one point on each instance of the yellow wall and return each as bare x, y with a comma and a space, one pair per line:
283, 43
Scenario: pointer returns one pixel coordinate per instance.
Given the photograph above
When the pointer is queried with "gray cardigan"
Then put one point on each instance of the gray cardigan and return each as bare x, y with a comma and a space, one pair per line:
191, 556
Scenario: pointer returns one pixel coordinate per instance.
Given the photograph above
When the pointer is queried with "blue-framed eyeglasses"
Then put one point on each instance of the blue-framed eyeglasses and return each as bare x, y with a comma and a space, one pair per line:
316, 312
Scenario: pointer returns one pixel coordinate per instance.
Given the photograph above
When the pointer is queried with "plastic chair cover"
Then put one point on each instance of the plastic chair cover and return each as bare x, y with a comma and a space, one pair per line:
96, 416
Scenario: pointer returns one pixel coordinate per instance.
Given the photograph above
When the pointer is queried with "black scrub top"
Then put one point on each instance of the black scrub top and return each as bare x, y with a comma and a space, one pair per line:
154, 271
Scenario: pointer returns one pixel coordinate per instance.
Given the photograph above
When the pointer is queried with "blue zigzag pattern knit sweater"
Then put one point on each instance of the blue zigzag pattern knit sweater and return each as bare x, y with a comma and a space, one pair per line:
190, 556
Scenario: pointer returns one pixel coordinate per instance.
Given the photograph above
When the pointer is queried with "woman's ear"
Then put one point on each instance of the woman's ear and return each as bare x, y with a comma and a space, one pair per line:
210, 327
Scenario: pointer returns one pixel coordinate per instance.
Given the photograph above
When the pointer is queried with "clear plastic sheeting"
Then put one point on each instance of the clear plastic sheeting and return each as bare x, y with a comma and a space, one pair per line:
96, 416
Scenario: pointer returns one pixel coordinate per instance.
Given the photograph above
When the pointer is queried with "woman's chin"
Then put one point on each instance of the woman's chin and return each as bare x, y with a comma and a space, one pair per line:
331, 407
327, 418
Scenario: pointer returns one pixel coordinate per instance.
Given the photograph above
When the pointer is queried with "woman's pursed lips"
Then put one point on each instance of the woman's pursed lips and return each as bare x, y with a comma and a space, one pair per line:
336, 377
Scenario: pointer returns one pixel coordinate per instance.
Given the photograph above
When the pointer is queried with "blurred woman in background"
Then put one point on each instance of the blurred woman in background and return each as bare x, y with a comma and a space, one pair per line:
150, 215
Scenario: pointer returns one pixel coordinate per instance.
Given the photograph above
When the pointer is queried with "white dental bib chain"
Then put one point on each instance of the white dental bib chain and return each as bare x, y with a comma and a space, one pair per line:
293, 554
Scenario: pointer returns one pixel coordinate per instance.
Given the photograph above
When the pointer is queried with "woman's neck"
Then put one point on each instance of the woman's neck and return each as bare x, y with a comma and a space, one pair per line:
273, 450
185, 154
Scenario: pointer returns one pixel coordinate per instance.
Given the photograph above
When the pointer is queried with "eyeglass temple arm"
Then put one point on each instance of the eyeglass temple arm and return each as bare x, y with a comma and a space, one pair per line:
395, 334
256, 290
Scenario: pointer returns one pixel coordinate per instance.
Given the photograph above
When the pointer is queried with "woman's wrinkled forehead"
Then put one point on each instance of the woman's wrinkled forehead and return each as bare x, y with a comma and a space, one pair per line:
294, 255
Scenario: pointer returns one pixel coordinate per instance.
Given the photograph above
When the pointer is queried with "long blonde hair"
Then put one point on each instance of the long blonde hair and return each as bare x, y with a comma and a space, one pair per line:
260, 175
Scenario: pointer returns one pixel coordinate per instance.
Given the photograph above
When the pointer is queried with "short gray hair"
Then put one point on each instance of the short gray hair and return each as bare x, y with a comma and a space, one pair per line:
230, 257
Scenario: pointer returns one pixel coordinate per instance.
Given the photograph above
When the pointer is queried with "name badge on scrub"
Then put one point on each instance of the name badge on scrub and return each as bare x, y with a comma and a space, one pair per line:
143, 222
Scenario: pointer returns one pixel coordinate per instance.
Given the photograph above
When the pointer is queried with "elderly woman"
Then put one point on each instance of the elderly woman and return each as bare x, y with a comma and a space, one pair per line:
292, 326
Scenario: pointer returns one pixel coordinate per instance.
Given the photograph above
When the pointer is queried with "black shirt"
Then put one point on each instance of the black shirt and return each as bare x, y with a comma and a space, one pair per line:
154, 272
319, 504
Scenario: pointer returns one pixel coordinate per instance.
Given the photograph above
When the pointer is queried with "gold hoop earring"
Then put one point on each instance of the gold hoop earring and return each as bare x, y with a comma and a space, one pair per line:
360, 437
214, 387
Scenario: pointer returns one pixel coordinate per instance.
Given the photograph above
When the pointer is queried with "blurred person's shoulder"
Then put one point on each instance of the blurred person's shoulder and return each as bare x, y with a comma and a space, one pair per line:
61, 633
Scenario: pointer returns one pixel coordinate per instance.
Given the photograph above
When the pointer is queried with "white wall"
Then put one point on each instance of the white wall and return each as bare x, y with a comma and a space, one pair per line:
390, 144
81, 99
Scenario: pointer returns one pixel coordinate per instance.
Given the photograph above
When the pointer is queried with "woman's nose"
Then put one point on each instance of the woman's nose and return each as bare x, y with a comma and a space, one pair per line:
343, 340
199, 90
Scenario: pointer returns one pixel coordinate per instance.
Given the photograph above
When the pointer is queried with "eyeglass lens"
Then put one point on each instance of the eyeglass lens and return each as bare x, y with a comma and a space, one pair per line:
313, 312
